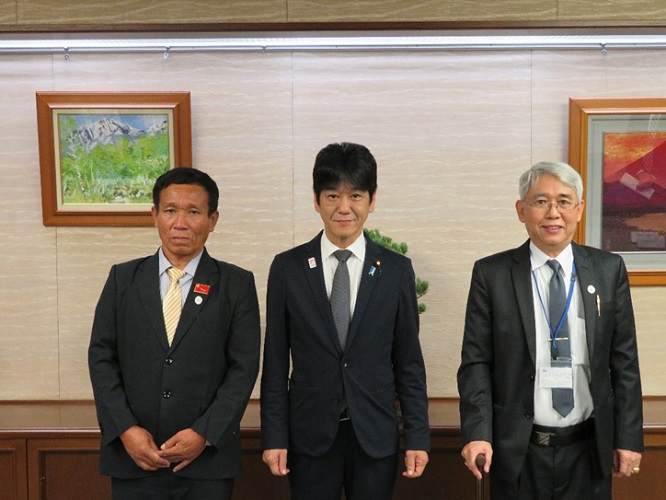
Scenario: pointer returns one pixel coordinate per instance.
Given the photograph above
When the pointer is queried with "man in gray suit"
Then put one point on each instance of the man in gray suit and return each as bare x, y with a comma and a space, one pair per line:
170, 400
551, 399
328, 388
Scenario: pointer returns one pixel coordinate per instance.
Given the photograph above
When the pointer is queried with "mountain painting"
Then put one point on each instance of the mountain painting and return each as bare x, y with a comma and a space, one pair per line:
112, 158
634, 192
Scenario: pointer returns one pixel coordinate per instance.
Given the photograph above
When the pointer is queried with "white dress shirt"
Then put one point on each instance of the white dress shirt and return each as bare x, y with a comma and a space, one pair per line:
354, 265
544, 414
185, 282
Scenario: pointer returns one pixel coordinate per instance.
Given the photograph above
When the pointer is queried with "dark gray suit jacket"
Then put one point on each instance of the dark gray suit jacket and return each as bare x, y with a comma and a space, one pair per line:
203, 381
497, 373
301, 411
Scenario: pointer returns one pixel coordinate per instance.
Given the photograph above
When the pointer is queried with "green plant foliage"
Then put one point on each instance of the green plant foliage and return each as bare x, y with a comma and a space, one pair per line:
122, 172
401, 248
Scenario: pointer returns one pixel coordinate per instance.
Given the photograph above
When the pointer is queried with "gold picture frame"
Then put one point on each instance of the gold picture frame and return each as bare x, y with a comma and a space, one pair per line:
100, 153
615, 145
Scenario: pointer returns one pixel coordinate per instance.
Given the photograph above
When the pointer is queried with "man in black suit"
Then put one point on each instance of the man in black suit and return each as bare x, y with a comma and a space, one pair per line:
169, 409
551, 400
332, 423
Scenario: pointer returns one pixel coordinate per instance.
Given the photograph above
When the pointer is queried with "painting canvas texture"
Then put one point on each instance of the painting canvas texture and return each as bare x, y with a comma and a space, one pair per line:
111, 158
634, 191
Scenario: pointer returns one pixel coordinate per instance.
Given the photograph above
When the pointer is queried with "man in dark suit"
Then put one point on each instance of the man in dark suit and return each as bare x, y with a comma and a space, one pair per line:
332, 423
170, 398
552, 400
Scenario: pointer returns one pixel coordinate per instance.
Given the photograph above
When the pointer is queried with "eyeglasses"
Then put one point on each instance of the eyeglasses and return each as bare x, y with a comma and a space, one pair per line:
563, 206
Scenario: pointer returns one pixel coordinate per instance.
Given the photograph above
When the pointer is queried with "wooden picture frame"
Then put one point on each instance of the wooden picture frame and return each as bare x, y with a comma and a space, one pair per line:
101, 152
616, 145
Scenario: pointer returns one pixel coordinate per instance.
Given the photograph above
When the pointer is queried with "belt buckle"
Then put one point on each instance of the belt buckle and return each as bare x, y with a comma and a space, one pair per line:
543, 438
344, 416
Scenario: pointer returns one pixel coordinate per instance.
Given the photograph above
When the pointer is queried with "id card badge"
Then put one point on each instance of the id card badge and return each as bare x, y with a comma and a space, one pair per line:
556, 377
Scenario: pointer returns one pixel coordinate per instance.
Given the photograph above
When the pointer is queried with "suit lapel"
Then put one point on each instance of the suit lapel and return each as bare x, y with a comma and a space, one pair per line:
589, 292
521, 275
373, 254
148, 291
207, 274
314, 273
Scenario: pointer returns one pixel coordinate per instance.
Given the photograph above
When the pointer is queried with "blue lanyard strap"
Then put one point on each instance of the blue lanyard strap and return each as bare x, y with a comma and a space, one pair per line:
553, 334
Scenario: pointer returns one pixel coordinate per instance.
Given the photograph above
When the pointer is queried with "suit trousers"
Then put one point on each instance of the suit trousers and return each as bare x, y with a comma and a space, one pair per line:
161, 486
568, 472
344, 467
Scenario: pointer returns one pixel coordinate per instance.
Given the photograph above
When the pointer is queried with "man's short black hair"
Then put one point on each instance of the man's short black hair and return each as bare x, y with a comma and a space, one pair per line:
345, 163
186, 175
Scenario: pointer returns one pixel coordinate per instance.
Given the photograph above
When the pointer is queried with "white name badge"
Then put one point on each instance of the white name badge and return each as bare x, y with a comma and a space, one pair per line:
556, 377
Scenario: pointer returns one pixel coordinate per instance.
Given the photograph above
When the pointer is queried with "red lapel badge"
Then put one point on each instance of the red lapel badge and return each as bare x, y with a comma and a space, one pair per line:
201, 288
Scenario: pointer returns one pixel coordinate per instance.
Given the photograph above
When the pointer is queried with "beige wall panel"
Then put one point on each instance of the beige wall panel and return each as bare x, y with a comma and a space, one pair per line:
28, 294
450, 135
422, 10
650, 320
611, 10
451, 131
7, 11
149, 11
85, 256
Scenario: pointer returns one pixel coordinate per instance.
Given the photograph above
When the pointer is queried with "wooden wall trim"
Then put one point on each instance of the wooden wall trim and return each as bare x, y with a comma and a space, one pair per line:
78, 418
552, 27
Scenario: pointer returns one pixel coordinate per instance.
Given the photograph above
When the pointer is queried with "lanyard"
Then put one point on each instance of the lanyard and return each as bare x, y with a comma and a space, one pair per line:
553, 334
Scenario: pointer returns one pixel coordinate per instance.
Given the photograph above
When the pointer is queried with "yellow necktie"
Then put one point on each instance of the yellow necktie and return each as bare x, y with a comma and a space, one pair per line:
172, 303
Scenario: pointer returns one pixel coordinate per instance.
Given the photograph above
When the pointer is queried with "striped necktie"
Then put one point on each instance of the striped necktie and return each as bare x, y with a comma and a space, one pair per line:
172, 303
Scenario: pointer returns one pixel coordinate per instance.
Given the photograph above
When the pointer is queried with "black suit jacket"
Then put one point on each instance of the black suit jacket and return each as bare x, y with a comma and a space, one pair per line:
497, 373
202, 381
301, 411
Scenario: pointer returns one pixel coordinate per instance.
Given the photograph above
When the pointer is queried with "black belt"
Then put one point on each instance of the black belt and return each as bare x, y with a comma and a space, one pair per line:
562, 436
344, 415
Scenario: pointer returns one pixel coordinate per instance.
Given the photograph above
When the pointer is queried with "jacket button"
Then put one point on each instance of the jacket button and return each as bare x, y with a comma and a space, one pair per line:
166, 394
168, 361
531, 378
529, 414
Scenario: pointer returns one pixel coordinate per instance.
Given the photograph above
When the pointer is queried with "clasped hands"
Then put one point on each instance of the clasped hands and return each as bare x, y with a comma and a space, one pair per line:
181, 449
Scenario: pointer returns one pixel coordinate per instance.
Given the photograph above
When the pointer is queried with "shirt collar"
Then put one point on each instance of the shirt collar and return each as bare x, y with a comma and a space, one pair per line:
357, 248
190, 268
565, 258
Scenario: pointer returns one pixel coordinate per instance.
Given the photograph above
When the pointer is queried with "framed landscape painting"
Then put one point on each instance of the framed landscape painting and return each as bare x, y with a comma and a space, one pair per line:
101, 152
619, 148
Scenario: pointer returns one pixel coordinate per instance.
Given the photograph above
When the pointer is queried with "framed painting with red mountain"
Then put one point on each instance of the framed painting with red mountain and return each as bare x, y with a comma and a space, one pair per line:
101, 152
619, 148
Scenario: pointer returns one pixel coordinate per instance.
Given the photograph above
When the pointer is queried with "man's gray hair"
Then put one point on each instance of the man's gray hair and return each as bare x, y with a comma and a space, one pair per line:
562, 171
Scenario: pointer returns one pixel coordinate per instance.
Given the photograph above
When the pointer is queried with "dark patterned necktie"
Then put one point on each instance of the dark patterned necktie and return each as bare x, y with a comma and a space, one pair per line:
340, 298
563, 400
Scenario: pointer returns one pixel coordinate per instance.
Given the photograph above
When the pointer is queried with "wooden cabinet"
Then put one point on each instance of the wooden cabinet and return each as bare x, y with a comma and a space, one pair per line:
61, 467
13, 470
50, 451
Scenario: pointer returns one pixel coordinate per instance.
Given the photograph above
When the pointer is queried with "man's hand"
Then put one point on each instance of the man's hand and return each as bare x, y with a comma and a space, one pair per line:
415, 463
141, 446
626, 462
471, 451
276, 461
183, 448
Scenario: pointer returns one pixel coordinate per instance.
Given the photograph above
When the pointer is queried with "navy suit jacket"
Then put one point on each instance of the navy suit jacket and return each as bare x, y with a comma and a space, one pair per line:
497, 373
301, 411
203, 381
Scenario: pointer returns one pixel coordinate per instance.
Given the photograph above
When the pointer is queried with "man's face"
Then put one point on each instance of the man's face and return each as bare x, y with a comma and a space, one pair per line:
344, 211
550, 229
182, 222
